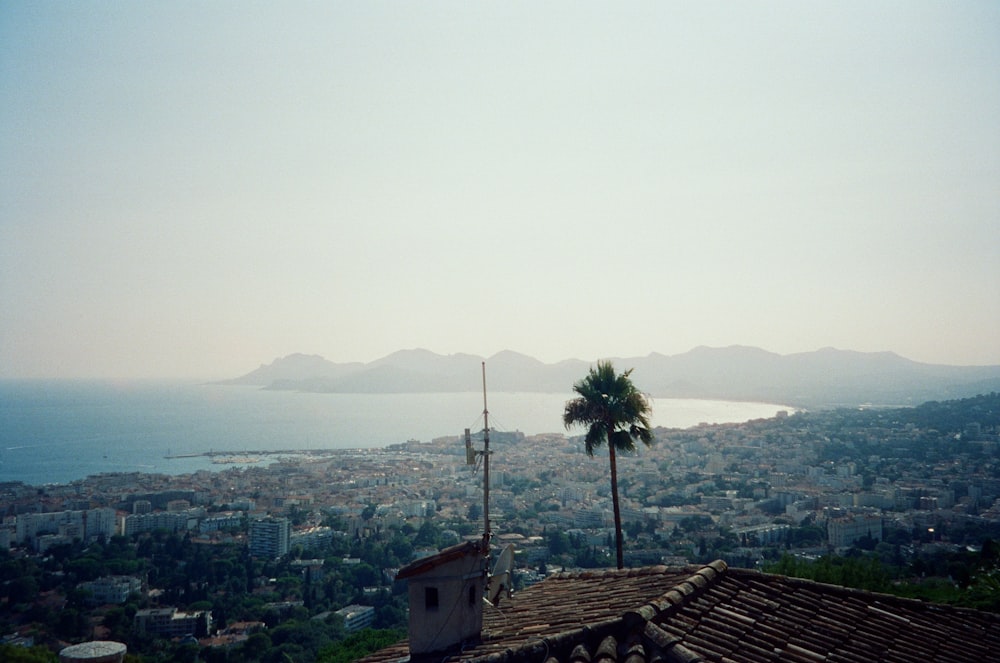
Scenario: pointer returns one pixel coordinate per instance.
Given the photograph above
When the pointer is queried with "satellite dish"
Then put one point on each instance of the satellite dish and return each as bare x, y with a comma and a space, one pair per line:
499, 581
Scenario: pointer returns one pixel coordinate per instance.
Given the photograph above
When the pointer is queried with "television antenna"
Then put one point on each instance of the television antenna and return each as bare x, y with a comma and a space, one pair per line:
499, 581
470, 459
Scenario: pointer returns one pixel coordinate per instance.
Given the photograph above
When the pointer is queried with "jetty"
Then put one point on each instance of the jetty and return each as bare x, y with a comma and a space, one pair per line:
257, 452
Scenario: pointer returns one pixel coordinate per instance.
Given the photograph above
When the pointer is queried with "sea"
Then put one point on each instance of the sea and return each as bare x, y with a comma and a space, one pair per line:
56, 432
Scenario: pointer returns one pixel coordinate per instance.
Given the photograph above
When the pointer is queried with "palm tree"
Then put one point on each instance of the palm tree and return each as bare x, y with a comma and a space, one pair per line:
614, 412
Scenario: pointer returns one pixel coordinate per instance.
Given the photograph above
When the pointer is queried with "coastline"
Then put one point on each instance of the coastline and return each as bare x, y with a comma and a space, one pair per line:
58, 431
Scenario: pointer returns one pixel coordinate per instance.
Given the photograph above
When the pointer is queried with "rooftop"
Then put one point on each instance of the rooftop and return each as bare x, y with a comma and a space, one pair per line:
716, 613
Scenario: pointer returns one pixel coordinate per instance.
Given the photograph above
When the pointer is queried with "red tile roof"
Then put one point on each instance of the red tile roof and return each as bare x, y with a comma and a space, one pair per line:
715, 613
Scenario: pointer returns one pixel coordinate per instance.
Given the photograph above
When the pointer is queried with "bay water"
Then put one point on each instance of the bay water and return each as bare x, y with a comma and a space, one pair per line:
61, 431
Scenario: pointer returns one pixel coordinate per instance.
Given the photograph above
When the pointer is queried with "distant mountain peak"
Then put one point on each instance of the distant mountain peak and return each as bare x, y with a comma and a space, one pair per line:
512, 356
299, 357
728, 350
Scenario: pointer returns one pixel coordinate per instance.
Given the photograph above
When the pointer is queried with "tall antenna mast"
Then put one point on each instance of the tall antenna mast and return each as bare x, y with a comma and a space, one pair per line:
486, 467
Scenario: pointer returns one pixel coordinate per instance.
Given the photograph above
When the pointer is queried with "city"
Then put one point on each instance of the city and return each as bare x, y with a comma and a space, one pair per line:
216, 564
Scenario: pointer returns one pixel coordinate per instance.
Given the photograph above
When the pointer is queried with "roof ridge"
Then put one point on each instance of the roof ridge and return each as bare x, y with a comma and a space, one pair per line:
559, 641
637, 620
842, 590
679, 593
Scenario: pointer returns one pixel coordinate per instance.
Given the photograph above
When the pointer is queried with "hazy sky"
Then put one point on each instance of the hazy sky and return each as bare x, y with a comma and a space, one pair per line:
191, 189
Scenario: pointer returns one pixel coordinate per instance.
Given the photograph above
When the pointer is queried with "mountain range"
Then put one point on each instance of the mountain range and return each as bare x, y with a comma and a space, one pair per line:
825, 378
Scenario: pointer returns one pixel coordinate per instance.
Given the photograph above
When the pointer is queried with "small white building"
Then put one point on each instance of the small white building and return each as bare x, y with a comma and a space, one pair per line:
357, 617
111, 589
173, 623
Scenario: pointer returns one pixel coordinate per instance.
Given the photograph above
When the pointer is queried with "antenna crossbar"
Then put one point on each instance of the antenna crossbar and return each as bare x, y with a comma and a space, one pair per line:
486, 468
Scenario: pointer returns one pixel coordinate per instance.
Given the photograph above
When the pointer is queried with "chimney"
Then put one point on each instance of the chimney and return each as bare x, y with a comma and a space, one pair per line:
446, 598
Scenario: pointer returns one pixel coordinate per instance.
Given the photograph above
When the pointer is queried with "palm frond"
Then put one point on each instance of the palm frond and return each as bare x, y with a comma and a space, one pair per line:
610, 401
594, 438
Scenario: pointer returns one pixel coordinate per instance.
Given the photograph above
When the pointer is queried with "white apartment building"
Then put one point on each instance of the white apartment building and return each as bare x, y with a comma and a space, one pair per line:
172, 521
844, 531
220, 522
172, 623
357, 617
269, 537
313, 537
85, 525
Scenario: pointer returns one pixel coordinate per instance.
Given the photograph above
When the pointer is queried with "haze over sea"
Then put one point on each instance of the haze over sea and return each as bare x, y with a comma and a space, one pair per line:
60, 431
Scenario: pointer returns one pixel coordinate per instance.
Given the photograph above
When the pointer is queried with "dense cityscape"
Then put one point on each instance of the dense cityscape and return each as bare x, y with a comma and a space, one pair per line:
296, 558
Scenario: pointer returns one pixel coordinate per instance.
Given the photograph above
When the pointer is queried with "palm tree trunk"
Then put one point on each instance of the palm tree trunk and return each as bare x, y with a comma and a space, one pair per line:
614, 501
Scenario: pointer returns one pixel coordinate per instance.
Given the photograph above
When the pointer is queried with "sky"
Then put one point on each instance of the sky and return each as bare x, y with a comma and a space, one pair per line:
192, 189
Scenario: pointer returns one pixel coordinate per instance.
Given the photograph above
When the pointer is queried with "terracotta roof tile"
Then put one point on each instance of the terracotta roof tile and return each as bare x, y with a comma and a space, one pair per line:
717, 614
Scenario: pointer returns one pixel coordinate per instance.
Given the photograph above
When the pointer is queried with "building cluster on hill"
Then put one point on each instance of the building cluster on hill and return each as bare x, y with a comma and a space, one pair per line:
809, 483
853, 475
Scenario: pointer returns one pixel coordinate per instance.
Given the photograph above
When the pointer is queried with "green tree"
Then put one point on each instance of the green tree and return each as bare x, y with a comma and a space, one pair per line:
616, 413
15, 654
558, 542
359, 644
256, 645
428, 536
